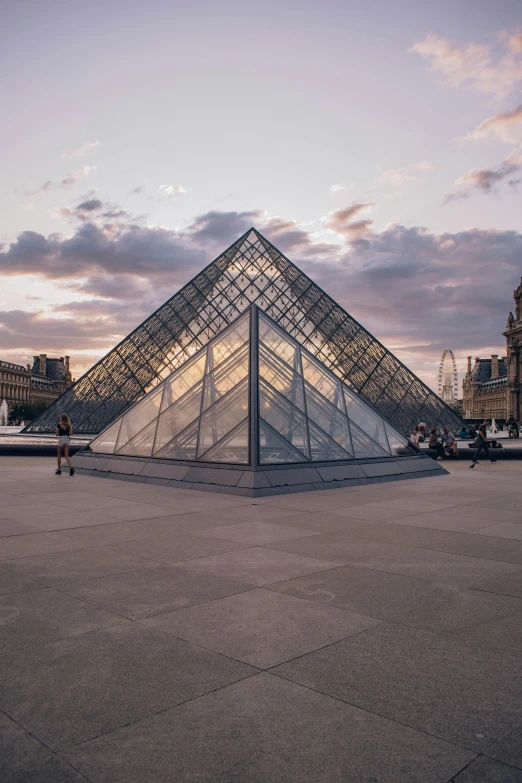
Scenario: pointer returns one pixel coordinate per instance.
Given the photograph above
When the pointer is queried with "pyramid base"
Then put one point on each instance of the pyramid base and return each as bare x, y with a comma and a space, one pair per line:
258, 482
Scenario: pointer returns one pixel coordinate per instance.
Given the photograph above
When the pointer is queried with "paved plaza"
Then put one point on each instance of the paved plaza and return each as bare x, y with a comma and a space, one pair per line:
160, 635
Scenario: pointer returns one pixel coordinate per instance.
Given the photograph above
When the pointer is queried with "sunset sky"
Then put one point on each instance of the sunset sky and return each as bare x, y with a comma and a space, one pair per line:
377, 144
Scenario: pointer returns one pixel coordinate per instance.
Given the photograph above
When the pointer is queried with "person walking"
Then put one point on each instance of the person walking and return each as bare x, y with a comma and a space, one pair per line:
434, 443
482, 441
64, 432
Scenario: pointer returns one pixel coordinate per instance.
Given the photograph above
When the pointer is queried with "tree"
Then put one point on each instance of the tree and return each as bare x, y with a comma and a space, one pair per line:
27, 410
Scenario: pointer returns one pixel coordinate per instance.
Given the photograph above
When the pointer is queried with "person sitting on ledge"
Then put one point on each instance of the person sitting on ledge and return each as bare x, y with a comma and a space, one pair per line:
463, 434
434, 443
450, 444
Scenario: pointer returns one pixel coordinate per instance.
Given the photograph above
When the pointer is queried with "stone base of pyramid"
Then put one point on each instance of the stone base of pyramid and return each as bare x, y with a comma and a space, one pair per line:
258, 482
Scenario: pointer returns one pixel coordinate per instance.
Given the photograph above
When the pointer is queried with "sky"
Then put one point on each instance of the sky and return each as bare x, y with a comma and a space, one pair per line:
378, 145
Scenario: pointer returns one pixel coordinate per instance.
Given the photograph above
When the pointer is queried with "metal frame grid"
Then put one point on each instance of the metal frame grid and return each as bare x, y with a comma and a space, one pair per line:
250, 271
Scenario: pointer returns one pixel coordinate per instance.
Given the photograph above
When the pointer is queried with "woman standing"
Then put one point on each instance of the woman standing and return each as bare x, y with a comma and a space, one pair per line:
64, 432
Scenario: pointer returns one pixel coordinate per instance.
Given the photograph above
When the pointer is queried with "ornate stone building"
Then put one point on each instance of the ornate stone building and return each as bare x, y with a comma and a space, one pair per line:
492, 387
41, 383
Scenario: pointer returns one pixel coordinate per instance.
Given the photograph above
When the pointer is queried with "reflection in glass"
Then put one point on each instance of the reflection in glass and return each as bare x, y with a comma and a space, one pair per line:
184, 379
183, 446
322, 380
222, 417
363, 445
233, 448
283, 417
106, 442
323, 448
277, 341
178, 416
228, 375
328, 418
365, 418
139, 416
273, 449
281, 377
230, 341
398, 444
141, 444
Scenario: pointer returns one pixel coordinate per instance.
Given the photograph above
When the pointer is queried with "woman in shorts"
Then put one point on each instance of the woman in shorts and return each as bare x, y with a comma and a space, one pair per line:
64, 432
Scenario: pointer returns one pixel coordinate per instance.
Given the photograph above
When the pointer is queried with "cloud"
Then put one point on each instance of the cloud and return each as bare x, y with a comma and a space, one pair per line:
335, 188
136, 191
424, 165
486, 180
342, 221
168, 191
81, 151
64, 182
506, 126
410, 287
472, 65
396, 177
96, 211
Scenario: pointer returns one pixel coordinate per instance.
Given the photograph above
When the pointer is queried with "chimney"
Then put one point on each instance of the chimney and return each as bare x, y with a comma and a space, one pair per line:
469, 363
494, 365
67, 363
477, 360
43, 364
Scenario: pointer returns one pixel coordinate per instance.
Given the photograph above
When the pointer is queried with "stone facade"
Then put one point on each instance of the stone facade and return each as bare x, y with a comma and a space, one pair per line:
46, 380
492, 387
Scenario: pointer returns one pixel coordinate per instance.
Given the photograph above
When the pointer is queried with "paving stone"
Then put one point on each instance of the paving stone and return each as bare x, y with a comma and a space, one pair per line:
320, 522
511, 530
373, 593
255, 532
174, 547
268, 731
75, 565
426, 564
17, 746
139, 511
484, 770
150, 591
8, 527
460, 692
129, 467
509, 747
53, 770
16, 547
505, 584
11, 583
39, 616
258, 565
372, 513
71, 690
260, 627
474, 616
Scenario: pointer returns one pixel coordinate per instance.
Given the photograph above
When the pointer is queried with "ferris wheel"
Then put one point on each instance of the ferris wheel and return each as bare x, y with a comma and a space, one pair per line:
448, 378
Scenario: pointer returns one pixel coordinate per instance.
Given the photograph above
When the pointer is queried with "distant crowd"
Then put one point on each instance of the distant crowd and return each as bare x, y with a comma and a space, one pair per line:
445, 445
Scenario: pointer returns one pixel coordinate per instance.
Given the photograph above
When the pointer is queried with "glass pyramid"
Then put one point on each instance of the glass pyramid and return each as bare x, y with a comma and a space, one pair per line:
252, 270
252, 396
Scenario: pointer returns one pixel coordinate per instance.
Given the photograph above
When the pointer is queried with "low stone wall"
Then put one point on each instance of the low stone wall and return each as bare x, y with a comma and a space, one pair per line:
267, 480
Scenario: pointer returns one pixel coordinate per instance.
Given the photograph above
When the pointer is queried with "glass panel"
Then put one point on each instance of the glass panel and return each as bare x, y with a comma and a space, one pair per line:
178, 416
139, 416
233, 448
222, 417
398, 444
328, 418
106, 442
283, 417
183, 446
366, 419
278, 342
323, 448
228, 375
364, 446
273, 449
323, 381
281, 377
229, 342
184, 379
141, 444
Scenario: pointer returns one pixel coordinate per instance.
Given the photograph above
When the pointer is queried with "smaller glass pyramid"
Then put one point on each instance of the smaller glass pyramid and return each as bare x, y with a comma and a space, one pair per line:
252, 396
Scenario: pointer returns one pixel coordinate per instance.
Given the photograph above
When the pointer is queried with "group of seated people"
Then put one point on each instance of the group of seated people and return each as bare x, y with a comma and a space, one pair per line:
447, 445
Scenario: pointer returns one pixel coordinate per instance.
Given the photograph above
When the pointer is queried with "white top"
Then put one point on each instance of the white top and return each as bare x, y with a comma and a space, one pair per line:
447, 437
414, 437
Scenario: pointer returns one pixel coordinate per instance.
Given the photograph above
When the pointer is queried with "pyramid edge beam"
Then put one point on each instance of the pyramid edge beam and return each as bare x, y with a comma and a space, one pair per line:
334, 305
30, 428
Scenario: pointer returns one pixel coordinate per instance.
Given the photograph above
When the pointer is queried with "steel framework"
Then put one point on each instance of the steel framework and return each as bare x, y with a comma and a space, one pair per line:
448, 380
251, 270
